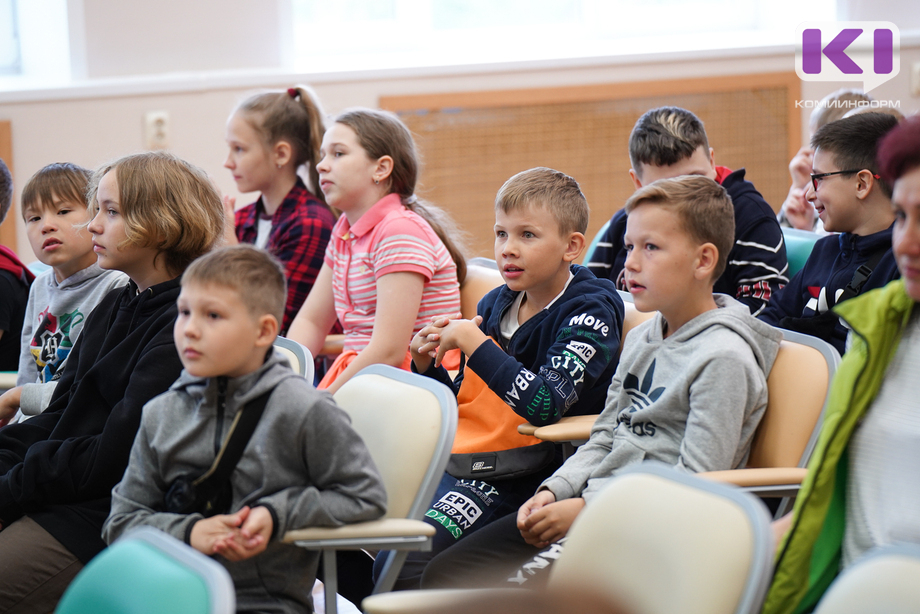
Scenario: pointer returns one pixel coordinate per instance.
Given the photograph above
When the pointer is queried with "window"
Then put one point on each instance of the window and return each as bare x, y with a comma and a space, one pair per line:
373, 34
10, 58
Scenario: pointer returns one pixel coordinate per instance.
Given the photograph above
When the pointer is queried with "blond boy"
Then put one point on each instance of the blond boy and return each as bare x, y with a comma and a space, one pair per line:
543, 346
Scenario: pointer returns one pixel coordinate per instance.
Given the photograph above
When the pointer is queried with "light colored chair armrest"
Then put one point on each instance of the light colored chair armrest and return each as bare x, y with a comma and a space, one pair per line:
574, 428
527, 428
423, 602
370, 533
334, 345
753, 478
7, 380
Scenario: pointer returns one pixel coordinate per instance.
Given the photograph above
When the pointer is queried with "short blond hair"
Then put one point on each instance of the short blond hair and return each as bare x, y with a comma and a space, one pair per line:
549, 188
703, 207
167, 204
254, 274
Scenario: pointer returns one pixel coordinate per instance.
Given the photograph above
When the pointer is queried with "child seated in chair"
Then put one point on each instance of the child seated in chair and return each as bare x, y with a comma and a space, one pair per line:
689, 391
543, 345
302, 465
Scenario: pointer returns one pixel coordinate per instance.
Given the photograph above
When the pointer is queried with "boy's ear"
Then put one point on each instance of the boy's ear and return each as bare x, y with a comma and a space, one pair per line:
268, 330
383, 169
637, 183
282, 153
707, 258
575, 247
865, 183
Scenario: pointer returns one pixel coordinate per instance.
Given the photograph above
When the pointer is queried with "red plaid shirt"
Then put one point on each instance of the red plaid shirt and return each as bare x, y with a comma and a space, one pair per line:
301, 228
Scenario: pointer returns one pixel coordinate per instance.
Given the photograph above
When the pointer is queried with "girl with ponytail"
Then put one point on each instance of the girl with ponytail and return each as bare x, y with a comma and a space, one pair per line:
270, 136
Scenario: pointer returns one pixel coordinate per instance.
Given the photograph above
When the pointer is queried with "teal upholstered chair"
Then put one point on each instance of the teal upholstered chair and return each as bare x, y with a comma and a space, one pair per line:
150, 572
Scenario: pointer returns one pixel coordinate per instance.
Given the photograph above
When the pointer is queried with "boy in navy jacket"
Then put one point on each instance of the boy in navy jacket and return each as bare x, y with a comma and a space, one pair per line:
544, 345
852, 200
668, 142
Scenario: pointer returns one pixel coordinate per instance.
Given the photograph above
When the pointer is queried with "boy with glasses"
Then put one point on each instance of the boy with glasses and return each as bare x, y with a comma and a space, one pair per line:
852, 200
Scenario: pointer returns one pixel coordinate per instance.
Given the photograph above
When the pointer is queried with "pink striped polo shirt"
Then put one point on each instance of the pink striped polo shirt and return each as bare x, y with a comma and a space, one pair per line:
387, 239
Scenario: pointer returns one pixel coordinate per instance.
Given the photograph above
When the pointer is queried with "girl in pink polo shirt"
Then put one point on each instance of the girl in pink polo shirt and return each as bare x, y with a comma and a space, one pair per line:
390, 267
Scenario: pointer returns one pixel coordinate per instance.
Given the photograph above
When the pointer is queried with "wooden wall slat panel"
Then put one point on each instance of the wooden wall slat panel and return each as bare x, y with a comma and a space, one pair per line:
472, 142
8, 228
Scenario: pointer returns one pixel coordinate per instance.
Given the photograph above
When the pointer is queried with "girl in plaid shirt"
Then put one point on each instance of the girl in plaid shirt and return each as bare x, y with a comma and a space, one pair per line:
270, 135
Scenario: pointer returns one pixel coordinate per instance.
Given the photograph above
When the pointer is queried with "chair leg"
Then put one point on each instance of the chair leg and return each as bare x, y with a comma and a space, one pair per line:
391, 568
330, 580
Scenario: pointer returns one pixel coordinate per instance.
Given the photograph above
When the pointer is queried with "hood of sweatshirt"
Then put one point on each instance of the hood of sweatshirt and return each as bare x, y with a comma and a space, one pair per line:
763, 338
240, 390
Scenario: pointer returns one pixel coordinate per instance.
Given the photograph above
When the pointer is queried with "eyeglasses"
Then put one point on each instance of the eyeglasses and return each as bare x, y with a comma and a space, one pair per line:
814, 177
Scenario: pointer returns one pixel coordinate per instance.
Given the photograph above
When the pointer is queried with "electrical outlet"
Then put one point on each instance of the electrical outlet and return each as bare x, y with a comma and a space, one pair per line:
915, 79
156, 125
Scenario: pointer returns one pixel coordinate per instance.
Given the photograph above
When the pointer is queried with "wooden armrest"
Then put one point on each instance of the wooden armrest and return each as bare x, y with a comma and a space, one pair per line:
767, 476
527, 428
7, 380
385, 527
574, 428
333, 345
426, 601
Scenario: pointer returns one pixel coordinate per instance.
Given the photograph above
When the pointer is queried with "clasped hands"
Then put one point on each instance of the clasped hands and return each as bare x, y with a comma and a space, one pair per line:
236, 536
445, 333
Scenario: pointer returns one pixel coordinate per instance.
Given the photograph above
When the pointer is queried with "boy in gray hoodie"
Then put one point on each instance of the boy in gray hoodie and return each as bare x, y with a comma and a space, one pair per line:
303, 466
689, 391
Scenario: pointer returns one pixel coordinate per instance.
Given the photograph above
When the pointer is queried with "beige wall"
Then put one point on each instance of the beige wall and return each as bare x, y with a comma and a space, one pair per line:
92, 123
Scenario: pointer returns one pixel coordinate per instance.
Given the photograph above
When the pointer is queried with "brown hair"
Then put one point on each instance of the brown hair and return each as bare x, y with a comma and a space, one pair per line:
67, 181
548, 188
295, 116
381, 133
665, 136
254, 274
166, 203
853, 143
6, 190
703, 207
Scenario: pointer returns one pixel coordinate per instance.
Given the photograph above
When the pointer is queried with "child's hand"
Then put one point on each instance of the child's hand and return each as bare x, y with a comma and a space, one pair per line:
463, 334
9, 404
425, 343
551, 522
799, 212
253, 536
209, 533
536, 502
800, 167
229, 220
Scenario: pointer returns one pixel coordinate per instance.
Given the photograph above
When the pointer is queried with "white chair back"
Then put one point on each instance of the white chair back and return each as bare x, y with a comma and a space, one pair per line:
659, 540
299, 356
884, 580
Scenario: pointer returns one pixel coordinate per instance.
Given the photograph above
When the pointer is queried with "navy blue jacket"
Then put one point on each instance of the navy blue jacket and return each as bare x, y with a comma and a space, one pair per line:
757, 265
560, 361
828, 270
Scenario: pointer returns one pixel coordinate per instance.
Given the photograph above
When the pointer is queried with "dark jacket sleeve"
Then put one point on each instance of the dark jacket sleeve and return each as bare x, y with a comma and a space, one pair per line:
583, 347
63, 460
609, 256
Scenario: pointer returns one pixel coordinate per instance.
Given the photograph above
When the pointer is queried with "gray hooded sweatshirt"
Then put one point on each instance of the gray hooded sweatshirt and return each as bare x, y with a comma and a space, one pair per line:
692, 400
304, 463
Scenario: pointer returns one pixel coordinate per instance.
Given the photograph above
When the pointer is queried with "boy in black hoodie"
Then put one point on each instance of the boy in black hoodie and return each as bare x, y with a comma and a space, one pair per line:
153, 215
543, 346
